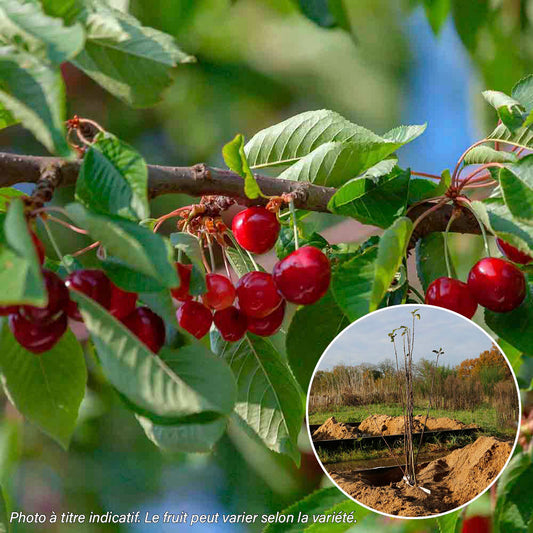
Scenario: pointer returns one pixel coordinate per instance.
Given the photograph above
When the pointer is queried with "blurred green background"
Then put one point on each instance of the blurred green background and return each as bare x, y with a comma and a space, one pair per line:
259, 62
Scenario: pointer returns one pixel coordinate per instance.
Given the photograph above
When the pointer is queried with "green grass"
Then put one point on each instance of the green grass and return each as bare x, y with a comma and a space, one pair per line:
484, 416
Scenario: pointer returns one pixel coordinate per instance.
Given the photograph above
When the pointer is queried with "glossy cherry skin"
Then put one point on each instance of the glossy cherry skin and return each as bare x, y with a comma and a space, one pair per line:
181, 292
303, 276
220, 292
58, 300
148, 327
6, 310
122, 302
451, 294
256, 229
94, 284
195, 318
231, 323
39, 247
476, 524
497, 284
269, 324
257, 294
34, 337
512, 253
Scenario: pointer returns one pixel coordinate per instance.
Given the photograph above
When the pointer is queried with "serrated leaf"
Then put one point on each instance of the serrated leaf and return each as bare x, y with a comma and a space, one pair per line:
133, 62
376, 204
511, 112
7, 194
239, 260
191, 247
235, 159
188, 438
380, 169
113, 179
450, 523
34, 94
137, 247
391, 252
46, 389
172, 385
25, 25
523, 92
268, 397
516, 183
480, 155
20, 271
430, 262
305, 345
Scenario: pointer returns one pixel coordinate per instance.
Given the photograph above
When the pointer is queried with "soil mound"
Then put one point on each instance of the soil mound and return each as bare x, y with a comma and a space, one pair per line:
453, 480
394, 425
331, 429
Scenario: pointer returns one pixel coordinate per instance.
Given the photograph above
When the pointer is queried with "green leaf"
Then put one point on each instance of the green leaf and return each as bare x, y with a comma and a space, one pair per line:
235, 158
133, 62
436, 13
370, 203
305, 345
430, 262
113, 179
352, 283
172, 385
139, 248
188, 438
191, 247
481, 155
25, 25
47, 389
285, 244
511, 112
160, 302
391, 252
20, 271
514, 506
523, 92
516, 326
34, 94
517, 187
469, 18
268, 397
4, 521
451, 522
6, 118
239, 260
348, 509
380, 169
7, 194
128, 279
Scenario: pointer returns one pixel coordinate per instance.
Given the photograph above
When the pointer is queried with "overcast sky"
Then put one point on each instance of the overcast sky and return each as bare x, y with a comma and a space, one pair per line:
366, 341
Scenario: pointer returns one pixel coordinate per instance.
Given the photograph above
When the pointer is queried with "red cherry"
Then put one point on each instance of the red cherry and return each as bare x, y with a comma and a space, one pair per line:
58, 300
34, 337
148, 327
39, 247
256, 229
6, 310
512, 253
195, 318
451, 294
231, 323
269, 324
303, 276
122, 302
220, 292
497, 284
94, 284
181, 292
477, 524
258, 295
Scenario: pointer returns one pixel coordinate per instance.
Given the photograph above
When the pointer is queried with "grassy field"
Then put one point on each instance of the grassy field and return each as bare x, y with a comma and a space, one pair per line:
485, 416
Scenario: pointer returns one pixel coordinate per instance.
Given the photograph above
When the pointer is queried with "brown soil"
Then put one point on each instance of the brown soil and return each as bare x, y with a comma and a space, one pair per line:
453, 480
394, 425
331, 429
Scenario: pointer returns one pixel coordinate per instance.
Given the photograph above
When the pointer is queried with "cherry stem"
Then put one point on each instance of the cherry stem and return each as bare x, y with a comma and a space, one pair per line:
466, 203
211, 254
461, 159
55, 245
446, 249
86, 249
67, 225
172, 214
239, 249
226, 263
204, 260
294, 223
430, 210
477, 171
426, 175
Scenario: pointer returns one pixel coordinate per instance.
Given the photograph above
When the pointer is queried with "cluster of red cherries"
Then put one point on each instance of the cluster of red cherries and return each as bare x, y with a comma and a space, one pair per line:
494, 283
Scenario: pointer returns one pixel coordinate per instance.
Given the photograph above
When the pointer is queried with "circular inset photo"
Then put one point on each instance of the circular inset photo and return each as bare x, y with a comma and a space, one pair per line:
413, 411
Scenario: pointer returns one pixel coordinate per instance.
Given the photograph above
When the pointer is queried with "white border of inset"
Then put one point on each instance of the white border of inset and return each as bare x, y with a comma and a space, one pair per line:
412, 306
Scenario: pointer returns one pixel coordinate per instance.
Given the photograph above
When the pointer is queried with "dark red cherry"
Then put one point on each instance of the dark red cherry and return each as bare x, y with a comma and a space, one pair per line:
39, 247
476, 524
269, 324
497, 284
451, 294
6, 310
231, 323
195, 318
257, 294
34, 337
94, 284
303, 276
512, 253
58, 300
220, 292
256, 229
148, 327
122, 302
181, 292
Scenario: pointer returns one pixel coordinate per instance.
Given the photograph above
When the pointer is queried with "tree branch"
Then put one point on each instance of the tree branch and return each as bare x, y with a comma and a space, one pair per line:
200, 180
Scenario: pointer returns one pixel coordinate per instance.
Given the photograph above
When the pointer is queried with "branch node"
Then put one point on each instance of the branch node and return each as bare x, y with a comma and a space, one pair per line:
201, 172
45, 186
